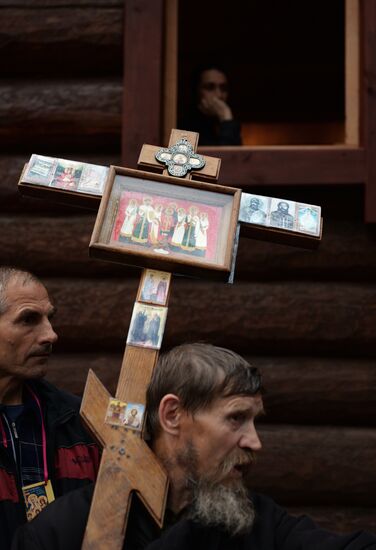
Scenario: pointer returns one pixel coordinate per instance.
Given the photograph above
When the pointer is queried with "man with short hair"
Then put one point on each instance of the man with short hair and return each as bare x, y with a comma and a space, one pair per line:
44, 450
202, 404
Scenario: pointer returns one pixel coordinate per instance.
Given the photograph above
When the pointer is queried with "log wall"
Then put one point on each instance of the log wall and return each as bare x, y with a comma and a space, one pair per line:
306, 318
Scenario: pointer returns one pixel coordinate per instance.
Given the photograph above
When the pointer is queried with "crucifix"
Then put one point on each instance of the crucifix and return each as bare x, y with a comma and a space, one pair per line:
170, 217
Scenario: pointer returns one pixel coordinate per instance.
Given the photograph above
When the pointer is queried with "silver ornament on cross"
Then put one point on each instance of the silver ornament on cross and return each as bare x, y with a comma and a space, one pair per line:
180, 158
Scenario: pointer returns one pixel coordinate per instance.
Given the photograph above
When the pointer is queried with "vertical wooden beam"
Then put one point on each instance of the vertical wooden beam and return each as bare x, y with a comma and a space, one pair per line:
369, 104
352, 73
143, 64
170, 77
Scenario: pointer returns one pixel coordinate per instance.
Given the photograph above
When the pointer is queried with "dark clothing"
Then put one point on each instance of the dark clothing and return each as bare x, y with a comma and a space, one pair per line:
72, 457
211, 131
61, 526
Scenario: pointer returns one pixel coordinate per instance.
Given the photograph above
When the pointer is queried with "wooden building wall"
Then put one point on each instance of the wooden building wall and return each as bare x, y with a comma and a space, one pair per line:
306, 318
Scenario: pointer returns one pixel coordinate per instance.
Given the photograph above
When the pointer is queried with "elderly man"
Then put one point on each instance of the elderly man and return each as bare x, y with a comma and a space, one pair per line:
202, 405
44, 451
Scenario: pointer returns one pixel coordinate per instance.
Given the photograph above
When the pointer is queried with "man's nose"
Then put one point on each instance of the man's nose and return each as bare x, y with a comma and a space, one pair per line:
250, 439
48, 335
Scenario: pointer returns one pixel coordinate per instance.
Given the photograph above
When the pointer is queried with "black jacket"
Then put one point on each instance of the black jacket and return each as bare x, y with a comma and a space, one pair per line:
61, 526
72, 457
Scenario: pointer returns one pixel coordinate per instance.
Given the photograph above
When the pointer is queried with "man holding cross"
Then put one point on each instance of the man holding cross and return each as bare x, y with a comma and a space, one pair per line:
44, 450
202, 402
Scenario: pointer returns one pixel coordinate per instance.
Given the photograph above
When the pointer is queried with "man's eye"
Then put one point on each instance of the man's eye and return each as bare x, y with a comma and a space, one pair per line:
238, 418
29, 319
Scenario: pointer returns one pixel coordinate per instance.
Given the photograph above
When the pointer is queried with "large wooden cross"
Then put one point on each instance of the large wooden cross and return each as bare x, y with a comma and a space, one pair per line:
128, 465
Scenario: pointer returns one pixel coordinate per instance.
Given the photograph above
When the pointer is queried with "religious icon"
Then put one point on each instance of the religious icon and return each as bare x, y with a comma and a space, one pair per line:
254, 209
134, 415
309, 219
67, 175
147, 326
40, 170
36, 497
93, 179
115, 413
163, 223
155, 287
282, 214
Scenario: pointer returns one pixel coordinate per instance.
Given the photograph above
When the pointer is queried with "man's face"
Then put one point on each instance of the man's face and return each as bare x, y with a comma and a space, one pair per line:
213, 83
26, 334
223, 438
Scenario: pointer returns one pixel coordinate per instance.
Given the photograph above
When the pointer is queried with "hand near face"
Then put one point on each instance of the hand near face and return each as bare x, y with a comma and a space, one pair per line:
215, 107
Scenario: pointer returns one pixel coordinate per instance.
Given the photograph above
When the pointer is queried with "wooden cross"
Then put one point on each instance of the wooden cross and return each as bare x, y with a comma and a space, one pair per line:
127, 463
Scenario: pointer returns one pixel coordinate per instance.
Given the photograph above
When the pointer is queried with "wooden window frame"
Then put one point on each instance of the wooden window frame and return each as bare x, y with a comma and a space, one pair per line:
150, 107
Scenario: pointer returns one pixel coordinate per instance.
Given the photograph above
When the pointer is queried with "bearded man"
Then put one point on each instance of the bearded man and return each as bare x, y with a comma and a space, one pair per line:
202, 405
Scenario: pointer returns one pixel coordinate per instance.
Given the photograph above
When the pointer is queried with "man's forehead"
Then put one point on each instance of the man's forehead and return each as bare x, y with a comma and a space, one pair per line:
213, 75
19, 295
253, 403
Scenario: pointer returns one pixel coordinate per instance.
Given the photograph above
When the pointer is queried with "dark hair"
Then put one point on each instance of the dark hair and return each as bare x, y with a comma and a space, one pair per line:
196, 74
198, 374
8, 273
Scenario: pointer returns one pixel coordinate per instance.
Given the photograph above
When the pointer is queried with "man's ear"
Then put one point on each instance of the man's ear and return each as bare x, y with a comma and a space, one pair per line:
170, 413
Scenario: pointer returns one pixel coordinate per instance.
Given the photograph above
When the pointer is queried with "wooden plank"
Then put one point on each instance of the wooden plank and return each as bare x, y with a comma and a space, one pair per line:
339, 519
352, 71
326, 317
36, 4
55, 115
56, 38
346, 252
170, 81
143, 46
278, 165
369, 104
299, 390
317, 465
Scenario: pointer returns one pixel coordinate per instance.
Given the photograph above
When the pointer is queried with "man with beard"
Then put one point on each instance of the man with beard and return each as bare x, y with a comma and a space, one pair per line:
202, 403
44, 450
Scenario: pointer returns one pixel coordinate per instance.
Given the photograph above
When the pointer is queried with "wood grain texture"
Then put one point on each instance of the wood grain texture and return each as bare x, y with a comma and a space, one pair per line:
143, 46
56, 38
127, 464
299, 390
248, 166
270, 316
369, 104
137, 367
347, 251
49, 115
300, 466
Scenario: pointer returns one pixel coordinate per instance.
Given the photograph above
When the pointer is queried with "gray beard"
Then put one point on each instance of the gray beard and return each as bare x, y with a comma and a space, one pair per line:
226, 507
217, 502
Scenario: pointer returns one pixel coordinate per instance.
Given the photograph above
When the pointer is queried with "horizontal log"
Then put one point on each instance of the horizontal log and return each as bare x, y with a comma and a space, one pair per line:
324, 317
299, 390
61, 38
340, 520
248, 166
52, 115
346, 252
317, 465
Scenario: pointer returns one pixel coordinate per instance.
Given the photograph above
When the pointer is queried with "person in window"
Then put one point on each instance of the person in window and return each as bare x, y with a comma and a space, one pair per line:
210, 114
